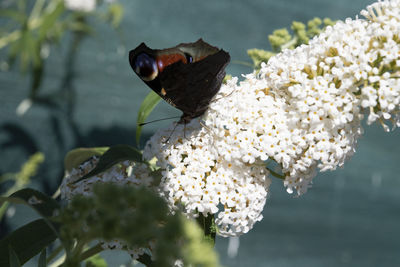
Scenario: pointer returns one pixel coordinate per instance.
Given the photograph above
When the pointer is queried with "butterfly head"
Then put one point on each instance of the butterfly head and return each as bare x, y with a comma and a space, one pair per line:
145, 66
149, 63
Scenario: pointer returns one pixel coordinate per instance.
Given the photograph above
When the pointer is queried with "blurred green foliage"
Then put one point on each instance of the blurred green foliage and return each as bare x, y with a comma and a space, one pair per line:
137, 216
32, 28
22, 178
281, 39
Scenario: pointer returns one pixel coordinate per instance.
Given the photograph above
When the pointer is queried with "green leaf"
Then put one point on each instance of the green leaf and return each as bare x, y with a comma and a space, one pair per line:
43, 204
196, 247
113, 156
145, 259
13, 14
96, 261
27, 241
33, 49
26, 48
147, 106
259, 55
14, 261
49, 19
116, 12
77, 156
17, 47
21, 4
42, 259
80, 26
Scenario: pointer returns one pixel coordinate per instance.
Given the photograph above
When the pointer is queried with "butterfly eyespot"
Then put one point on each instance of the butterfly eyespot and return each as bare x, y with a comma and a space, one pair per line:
189, 58
145, 66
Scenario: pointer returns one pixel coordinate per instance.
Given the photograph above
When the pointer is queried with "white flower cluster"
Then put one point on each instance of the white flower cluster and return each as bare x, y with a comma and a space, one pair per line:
83, 5
303, 110
200, 179
126, 173
80, 5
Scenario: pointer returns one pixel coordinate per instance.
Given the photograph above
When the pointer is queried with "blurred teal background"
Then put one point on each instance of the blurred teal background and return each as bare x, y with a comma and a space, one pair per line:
350, 217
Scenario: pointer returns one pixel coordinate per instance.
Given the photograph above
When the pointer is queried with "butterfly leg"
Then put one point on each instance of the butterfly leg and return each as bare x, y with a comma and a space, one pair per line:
184, 131
205, 126
169, 137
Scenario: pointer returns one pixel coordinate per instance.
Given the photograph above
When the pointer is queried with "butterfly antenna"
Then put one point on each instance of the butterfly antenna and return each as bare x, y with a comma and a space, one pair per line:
217, 99
244, 63
144, 123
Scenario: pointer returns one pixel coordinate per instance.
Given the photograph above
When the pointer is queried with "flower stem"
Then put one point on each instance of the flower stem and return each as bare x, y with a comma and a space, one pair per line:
277, 175
90, 252
54, 253
208, 226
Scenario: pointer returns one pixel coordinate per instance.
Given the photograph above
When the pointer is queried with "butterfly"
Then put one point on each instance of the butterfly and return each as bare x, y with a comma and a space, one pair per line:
187, 76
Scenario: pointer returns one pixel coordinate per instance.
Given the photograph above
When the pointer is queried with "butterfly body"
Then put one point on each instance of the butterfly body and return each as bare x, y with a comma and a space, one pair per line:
187, 76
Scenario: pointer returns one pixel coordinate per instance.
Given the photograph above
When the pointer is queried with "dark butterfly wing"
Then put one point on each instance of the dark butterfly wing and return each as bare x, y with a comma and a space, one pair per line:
187, 76
190, 87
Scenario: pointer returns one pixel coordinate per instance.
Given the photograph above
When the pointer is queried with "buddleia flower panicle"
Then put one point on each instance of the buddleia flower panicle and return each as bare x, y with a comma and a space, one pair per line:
199, 180
302, 110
